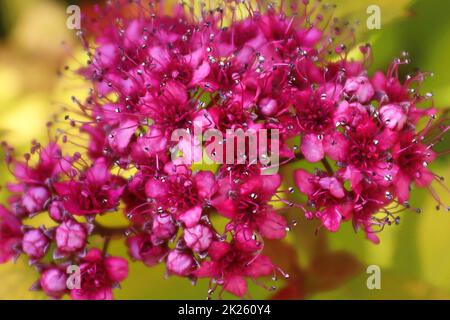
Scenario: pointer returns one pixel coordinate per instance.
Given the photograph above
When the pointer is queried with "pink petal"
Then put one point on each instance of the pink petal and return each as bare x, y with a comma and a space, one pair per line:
331, 219
313, 35
200, 73
207, 269
333, 185
386, 139
268, 106
218, 249
336, 146
244, 238
98, 174
235, 285
270, 183
120, 138
94, 255
180, 263
402, 183
423, 177
272, 225
261, 266
206, 184
191, 216
312, 148
303, 181
353, 175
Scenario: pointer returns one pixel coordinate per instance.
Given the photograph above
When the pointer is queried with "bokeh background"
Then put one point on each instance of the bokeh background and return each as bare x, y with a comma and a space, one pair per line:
413, 256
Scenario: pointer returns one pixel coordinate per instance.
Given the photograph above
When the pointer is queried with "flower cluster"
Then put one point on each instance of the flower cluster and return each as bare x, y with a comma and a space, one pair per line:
237, 66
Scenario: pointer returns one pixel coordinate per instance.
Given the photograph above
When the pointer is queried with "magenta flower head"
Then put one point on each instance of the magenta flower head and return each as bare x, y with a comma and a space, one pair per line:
34, 182
229, 266
10, 235
98, 275
96, 191
190, 132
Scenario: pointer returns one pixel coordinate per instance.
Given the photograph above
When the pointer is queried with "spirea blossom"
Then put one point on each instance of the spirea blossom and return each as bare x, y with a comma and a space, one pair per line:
241, 65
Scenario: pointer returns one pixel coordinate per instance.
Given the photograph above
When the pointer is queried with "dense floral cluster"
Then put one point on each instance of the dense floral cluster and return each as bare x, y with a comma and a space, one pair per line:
237, 66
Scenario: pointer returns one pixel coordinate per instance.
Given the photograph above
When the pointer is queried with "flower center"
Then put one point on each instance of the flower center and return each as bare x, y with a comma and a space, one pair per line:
364, 154
316, 116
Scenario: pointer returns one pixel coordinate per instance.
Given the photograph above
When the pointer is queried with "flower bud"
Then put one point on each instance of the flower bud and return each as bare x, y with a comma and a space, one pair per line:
35, 243
53, 282
180, 263
70, 236
198, 238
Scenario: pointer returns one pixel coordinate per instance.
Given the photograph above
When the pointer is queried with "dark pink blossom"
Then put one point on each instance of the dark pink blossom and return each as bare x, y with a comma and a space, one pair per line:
369, 157
99, 275
230, 266
413, 158
96, 192
249, 206
317, 121
10, 235
144, 248
198, 238
35, 182
180, 263
251, 67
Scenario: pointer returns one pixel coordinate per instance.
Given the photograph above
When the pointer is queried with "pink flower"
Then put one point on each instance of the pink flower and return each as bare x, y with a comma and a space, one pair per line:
229, 267
326, 195
120, 138
389, 89
250, 207
316, 119
34, 199
180, 263
182, 195
369, 156
10, 235
96, 192
99, 275
143, 247
190, 69
54, 282
413, 158
34, 182
264, 68
365, 204
163, 227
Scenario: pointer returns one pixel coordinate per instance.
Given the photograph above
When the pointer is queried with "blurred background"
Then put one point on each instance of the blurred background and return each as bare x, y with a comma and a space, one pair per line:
413, 256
